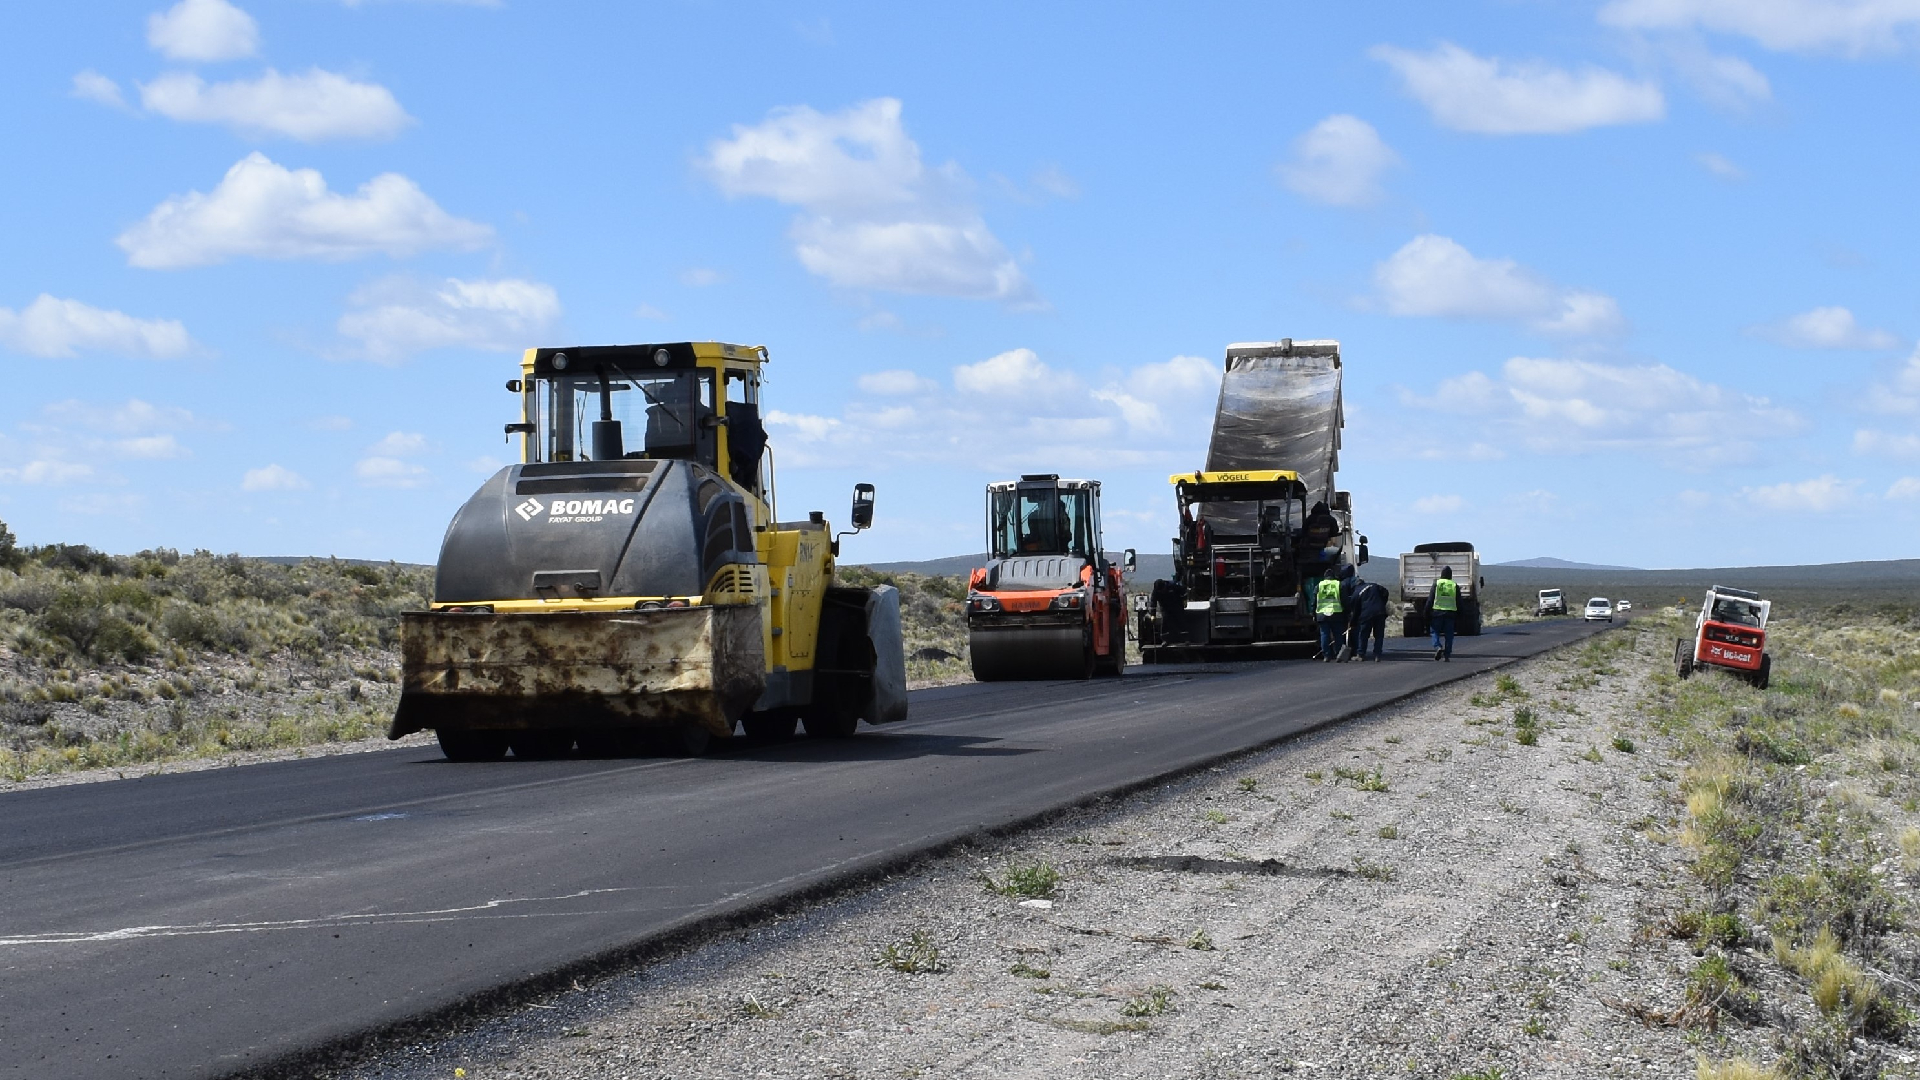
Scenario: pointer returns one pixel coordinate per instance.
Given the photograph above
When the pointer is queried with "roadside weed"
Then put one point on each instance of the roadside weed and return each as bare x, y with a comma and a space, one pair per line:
1201, 941
1735, 1069
1372, 871
1214, 817
1624, 745
1156, 1000
1023, 970
1034, 881
1248, 783
917, 955
1389, 832
1362, 779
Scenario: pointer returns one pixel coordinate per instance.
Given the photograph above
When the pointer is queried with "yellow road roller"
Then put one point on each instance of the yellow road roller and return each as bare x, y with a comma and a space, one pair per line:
628, 587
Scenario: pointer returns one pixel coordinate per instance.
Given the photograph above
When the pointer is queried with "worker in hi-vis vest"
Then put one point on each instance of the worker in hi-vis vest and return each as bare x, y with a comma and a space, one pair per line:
1330, 612
1441, 607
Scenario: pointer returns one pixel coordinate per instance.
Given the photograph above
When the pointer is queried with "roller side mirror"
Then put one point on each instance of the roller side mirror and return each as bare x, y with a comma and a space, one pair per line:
862, 514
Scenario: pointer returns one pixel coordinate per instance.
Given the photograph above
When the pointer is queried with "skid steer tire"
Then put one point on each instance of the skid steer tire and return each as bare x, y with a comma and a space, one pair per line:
1764, 673
1682, 658
472, 745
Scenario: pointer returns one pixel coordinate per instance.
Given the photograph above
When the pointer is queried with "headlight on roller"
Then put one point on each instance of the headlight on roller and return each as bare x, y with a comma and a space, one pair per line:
983, 604
1070, 601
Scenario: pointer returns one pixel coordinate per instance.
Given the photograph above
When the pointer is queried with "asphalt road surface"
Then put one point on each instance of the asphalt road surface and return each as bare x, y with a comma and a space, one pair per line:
219, 922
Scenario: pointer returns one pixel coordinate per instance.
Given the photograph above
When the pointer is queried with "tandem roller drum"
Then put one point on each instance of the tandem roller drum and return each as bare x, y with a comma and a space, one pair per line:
1032, 652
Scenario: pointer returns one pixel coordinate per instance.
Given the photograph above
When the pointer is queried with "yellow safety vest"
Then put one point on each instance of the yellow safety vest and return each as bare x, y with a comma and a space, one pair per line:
1328, 595
1446, 595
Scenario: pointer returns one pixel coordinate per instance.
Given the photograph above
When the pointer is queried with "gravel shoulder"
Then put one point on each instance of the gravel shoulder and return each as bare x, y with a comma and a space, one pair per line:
1417, 892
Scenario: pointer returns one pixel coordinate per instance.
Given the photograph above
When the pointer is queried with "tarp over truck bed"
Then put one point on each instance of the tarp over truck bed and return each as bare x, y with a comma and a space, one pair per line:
1279, 408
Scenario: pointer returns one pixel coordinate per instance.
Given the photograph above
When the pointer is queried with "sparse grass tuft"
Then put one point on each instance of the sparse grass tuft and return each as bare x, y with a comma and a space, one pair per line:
1373, 871
1735, 1069
1624, 745
1389, 832
1214, 817
1023, 970
1200, 941
1248, 784
1157, 1000
917, 955
1362, 779
1034, 881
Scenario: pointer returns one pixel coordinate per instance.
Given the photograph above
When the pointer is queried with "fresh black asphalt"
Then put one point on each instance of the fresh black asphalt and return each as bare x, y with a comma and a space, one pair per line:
219, 922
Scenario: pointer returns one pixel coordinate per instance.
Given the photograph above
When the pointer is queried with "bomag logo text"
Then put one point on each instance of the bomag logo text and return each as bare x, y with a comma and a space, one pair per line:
572, 511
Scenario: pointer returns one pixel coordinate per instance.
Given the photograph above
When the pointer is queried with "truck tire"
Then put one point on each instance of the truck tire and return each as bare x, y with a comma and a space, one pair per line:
774, 725
1413, 626
544, 744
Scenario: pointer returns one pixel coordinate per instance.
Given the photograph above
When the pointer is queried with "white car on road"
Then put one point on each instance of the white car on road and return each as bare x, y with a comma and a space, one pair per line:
1599, 608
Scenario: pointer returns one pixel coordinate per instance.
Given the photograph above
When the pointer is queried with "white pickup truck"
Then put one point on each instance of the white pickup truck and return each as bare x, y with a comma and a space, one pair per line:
1551, 602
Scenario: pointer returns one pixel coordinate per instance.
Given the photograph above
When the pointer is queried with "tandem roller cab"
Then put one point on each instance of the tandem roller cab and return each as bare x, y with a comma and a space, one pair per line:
629, 588
1048, 604
1730, 633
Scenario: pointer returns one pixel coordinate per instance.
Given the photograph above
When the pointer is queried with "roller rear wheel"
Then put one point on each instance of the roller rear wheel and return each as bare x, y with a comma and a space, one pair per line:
770, 726
472, 745
542, 745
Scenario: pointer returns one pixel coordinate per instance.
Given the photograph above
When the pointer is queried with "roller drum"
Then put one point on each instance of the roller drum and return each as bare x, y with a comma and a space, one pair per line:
1032, 652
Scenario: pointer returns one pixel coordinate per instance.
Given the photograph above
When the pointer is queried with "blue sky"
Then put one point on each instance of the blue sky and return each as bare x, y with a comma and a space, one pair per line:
1628, 282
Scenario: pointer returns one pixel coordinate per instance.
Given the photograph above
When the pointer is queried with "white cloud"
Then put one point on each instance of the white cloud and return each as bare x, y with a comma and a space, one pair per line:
808, 427
273, 478
264, 211
1492, 97
1339, 162
1014, 413
313, 107
1552, 406
1884, 444
1016, 373
389, 472
49, 472
330, 423
203, 30
1181, 380
1848, 27
1439, 504
1053, 181
895, 383
1819, 495
485, 465
1435, 276
76, 440
400, 316
873, 216
648, 311
92, 86
152, 447
1907, 487
52, 327
700, 277
1720, 166
399, 444
1726, 81
1830, 328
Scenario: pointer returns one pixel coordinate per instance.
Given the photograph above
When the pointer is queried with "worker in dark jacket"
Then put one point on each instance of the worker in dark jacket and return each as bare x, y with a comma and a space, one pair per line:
1369, 619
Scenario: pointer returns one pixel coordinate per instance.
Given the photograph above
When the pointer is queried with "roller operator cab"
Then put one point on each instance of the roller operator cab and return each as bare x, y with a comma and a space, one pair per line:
1729, 633
629, 587
1048, 604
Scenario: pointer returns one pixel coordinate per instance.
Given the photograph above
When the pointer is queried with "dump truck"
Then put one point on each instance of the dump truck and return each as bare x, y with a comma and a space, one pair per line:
1418, 571
1263, 523
645, 600
1729, 633
1049, 604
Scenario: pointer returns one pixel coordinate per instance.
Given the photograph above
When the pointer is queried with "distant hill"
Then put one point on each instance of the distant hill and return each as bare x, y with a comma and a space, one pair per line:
1549, 563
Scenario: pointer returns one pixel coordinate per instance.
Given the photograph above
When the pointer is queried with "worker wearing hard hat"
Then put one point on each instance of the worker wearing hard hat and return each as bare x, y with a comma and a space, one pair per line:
1442, 604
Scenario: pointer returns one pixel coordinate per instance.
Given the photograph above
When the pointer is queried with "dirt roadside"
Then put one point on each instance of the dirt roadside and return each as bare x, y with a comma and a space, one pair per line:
1430, 891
